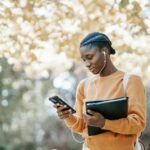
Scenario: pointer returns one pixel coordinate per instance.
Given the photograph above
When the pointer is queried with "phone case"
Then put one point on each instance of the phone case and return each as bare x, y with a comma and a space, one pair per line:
56, 99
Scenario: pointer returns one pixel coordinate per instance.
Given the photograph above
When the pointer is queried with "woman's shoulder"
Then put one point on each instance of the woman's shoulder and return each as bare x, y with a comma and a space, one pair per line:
131, 76
84, 82
135, 77
135, 80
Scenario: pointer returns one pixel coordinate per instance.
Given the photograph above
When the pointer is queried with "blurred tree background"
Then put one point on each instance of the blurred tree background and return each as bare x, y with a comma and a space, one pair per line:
39, 42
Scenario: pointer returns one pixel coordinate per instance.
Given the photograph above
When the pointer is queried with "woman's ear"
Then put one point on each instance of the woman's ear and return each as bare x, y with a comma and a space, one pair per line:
106, 50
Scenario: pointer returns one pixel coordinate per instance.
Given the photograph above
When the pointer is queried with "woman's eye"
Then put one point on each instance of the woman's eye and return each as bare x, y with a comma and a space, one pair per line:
83, 60
89, 57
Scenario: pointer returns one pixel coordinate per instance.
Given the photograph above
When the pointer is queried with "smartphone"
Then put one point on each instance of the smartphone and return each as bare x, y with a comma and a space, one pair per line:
56, 99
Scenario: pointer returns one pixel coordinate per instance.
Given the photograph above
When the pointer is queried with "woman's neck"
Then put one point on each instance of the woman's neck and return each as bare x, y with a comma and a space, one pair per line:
109, 69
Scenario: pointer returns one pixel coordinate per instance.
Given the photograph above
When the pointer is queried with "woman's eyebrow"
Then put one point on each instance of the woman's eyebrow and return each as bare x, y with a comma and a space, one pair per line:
88, 55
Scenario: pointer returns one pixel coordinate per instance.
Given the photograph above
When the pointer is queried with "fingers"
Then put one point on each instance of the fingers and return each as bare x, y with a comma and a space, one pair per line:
64, 114
90, 112
93, 118
93, 113
62, 111
59, 107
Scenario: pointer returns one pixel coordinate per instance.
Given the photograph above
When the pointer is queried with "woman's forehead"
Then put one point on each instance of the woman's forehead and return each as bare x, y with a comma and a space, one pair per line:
86, 49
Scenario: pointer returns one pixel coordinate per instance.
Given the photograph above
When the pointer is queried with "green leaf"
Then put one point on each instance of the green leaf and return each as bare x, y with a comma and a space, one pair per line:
124, 3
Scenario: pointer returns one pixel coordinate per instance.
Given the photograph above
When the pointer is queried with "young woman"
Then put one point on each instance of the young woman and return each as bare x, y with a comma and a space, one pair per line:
95, 51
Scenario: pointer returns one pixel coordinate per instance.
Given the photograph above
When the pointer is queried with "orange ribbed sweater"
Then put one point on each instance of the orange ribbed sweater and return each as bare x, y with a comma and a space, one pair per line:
123, 132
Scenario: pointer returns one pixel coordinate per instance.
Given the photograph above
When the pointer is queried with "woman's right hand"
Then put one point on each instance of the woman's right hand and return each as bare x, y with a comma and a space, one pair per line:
62, 114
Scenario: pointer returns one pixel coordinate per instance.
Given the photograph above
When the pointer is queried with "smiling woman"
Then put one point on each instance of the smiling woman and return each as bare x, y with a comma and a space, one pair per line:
106, 84
95, 50
94, 60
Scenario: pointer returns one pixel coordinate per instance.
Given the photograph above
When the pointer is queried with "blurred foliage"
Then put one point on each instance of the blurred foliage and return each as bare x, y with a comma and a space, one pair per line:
26, 119
39, 41
37, 35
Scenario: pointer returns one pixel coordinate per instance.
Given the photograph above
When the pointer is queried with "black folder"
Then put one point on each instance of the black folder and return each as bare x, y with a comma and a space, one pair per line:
111, 109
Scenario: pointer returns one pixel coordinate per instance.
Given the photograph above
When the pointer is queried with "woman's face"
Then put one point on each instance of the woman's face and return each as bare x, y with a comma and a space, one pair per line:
93, 59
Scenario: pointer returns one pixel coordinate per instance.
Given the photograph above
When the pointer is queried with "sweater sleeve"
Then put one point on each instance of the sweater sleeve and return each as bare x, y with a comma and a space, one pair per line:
76, 122
136, 119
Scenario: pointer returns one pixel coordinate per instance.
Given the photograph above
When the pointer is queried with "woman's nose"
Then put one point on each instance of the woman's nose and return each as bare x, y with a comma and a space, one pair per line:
87, 63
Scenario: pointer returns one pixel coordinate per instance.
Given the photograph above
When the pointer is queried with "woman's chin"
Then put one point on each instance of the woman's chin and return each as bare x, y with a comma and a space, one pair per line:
94, 71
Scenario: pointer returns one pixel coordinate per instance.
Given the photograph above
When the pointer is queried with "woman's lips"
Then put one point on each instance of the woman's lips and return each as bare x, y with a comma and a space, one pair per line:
92, 69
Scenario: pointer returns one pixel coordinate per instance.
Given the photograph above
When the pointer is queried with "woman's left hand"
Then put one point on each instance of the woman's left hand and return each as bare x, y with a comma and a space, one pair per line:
94, 119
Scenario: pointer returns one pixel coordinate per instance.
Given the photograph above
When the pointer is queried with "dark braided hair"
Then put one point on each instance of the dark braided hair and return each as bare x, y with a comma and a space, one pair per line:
99, 40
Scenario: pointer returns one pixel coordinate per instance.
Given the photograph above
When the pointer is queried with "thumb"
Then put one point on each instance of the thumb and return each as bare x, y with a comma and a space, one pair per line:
91, 112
